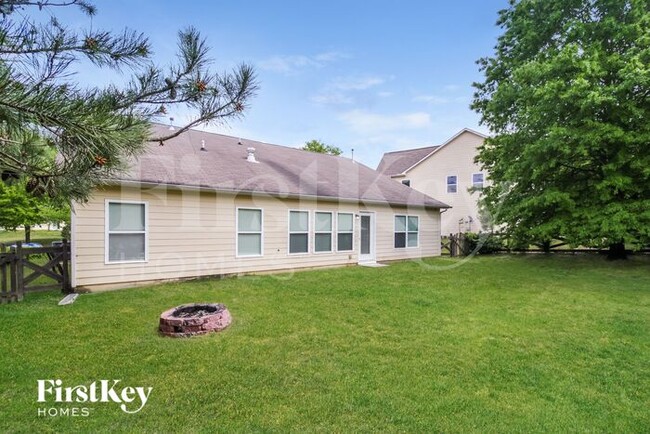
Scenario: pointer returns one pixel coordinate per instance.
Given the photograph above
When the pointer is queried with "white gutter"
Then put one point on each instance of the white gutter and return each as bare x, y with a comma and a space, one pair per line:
265, 194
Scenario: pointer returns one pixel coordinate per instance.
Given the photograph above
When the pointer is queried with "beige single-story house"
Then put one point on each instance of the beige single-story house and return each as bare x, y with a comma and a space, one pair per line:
206, 204
447, 172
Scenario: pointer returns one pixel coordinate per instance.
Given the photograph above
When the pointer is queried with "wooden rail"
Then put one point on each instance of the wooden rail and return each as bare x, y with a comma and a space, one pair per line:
16, 260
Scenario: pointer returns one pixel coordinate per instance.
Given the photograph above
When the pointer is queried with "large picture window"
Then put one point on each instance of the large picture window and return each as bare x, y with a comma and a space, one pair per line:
345, 232
407, 231
249, 232
298, 231
323, 232
126, 231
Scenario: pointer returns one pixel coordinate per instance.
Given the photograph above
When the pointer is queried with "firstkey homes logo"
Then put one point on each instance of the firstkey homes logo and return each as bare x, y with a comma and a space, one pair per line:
129, 399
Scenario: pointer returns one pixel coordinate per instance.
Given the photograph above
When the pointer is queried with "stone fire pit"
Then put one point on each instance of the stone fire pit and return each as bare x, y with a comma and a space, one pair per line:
194, 319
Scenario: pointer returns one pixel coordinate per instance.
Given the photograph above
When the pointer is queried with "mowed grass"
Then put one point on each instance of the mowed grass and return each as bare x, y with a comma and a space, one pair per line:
494, 344
37, 236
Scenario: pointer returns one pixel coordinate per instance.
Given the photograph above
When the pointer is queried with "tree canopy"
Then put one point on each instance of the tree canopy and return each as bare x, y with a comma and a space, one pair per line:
18, 207
321, 148
566, 96
64, 137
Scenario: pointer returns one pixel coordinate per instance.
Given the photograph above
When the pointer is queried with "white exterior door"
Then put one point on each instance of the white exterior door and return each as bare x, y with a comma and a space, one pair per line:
367, 237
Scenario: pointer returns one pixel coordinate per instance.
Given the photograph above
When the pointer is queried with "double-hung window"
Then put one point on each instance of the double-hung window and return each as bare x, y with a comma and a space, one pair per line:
298, 231
477, 180
452, 184
249, 232
407, 231
126, 231
323, 232
345, 232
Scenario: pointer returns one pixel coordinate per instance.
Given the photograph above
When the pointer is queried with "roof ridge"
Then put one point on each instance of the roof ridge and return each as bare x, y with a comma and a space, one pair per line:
253, 140
412, 149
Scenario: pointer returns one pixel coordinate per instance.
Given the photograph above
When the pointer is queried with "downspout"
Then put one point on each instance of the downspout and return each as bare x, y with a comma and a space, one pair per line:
73, 247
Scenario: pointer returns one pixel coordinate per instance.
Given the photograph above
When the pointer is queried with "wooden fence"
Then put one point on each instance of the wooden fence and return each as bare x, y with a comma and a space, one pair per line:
456, 245
462, 244
50, 264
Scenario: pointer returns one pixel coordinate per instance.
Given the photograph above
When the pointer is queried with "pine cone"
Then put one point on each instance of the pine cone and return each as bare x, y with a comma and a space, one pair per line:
32, 185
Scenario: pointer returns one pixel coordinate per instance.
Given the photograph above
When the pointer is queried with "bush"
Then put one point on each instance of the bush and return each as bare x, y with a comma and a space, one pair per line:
488, 242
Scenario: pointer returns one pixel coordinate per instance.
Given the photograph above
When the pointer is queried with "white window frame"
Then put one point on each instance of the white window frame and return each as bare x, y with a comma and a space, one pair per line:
289, 232
331, 233
447, 184
108, 232
406, 231
482, 182
237, 232
346, 232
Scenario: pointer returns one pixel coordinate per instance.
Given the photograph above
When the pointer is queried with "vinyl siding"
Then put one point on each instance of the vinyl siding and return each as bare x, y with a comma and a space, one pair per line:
192, 234
430, 177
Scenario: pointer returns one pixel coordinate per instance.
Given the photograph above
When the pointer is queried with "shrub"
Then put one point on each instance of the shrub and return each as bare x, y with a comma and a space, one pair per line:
487, 242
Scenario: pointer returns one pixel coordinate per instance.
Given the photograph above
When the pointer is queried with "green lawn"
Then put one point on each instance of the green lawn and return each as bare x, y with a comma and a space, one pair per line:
44, 237
497, 344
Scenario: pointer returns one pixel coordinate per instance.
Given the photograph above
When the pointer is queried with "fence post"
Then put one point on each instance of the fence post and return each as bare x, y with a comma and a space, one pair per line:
66, 288
20, 289
464, 244
13, 287
4, 295
452, 245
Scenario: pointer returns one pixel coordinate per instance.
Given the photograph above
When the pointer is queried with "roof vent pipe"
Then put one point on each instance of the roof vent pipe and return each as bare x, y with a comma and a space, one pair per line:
251, 155
203, 145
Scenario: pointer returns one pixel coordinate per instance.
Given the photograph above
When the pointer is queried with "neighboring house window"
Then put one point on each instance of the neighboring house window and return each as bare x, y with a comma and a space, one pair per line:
249, 232
406, 182
323, 232
407, 231
477, 180
298, 231
452, 184
345, 232
126, 231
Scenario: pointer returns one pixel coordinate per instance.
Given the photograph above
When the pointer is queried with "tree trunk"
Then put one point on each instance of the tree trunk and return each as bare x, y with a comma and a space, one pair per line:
546, 246
28, 234
617, 251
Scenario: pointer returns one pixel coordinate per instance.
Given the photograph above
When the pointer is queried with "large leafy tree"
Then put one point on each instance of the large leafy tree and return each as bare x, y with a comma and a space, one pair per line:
20, 208
567, 98
64, 137
321, 148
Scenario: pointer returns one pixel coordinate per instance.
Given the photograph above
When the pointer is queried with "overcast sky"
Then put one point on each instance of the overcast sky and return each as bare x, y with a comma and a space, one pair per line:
370, 75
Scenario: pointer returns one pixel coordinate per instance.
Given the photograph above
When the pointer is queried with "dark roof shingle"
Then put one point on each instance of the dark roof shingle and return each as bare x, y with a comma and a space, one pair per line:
396, 162
282, 171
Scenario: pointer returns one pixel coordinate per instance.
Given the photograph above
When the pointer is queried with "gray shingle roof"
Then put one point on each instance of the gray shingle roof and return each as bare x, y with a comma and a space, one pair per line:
396, 162
282, 171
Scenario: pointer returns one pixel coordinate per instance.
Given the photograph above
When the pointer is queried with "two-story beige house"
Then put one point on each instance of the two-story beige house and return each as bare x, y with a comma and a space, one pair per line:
446, 172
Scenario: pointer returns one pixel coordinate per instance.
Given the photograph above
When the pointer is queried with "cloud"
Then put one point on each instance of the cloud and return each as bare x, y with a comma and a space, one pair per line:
364, 122
440, 100
332, 98
384, 94
295, 63
451, 88
431, 99
350, 90
357, 83
331, 56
